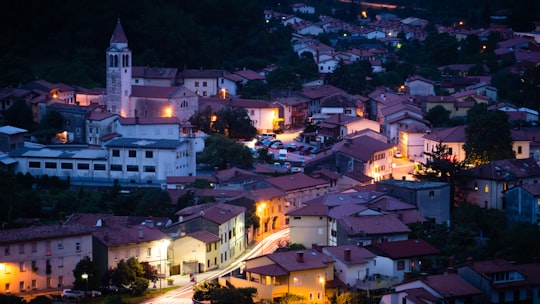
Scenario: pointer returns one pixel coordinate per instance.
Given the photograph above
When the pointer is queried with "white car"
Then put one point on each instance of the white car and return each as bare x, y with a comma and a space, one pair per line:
72, 294
398, 154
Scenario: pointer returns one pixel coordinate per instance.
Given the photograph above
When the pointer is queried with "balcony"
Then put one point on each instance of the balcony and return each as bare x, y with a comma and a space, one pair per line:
377, 281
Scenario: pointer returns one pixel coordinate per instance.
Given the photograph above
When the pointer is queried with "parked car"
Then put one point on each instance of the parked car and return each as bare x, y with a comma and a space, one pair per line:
276, 145
299, 138
291, 147
398, 154
93, 293
72, 294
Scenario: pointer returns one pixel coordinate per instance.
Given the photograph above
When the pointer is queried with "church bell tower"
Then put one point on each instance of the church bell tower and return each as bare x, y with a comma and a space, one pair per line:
119, 74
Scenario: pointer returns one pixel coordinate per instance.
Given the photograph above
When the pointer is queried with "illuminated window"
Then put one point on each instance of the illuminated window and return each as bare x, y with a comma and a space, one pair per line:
486, 188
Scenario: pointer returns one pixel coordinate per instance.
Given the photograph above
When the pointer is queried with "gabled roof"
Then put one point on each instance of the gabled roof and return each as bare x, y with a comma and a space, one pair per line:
358, 255
533, 189
291, 261
296, 181
153, 72
42, 232
249, 75
320, 91
372, 224
218, 213
309, 210
361, 148
341, 119
486, 268
11, 130
447, 135
205, 236
114, 230
507, 169
449, 285
403, 249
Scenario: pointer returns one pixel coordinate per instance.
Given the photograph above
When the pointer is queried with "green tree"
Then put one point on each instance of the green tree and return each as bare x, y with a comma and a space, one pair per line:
20, 115
291, 299
130, 273
51, 124
155, 202
220, 151
349, 298
85, 266
351, 77
203, 120
438, 116
234, 122
488, 136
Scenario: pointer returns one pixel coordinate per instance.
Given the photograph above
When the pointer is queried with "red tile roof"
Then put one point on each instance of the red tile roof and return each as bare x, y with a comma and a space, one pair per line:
309, 210
289, 260
362, 147
42, 232
296, 181
404, 249
506, 169
372, 224
149, 120
205, 236
450, 285
358, 255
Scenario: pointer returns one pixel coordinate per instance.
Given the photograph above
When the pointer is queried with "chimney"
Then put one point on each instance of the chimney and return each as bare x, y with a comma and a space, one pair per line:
140, 232
347, 254
300, 257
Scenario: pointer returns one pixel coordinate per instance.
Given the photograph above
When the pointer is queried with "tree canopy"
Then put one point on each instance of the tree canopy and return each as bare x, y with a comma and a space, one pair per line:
220, 151
488, 136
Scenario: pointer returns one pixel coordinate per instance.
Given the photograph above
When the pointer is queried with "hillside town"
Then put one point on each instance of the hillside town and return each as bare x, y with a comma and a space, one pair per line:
351, 176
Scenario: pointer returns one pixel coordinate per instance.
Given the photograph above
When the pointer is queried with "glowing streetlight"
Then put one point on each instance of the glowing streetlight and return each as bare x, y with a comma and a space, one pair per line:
84, 276
164, 245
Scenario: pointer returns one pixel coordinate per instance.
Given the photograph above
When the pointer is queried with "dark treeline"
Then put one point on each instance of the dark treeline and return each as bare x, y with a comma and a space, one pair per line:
64, 41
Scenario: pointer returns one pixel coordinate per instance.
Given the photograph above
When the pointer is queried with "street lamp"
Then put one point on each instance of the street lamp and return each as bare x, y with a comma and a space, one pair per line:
84, 276
164, 244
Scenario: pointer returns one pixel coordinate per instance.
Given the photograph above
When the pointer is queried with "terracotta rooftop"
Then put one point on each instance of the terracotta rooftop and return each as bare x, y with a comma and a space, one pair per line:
309, 210
403, 249
350, 254
372, 224
450, 285
299, 260
508, 169
296, 181
42, 232
218, 213
361, 148
205, 236
118, 35
320, 91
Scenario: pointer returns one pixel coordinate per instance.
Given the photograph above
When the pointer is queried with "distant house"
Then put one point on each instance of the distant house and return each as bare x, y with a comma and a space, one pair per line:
432, 289
42, 258
365, 154
369, 226
486, 184
411, 140
400, 259
223, 220
11, 138
306, 273
210, 83
431, 198
294, 111
316, 93
339, 126
308, 225
118, 238
100, 125
521, 204
299, 188
196, 252
264, 115
74, 118
419, 86
353, 264
399, 116
302, 8
502, 281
